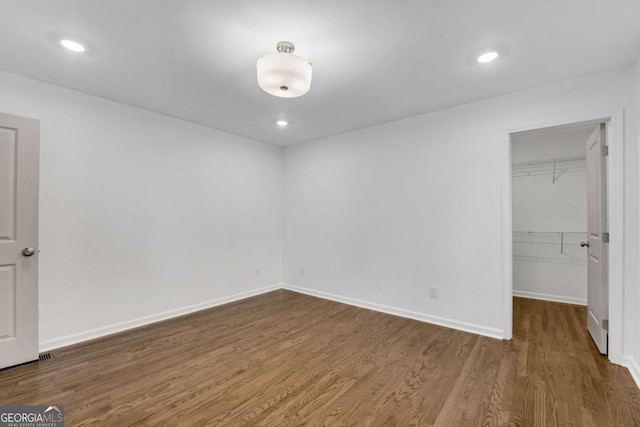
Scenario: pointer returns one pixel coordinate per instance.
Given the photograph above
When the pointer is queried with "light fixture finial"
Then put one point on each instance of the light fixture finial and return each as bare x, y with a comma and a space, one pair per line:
285, 47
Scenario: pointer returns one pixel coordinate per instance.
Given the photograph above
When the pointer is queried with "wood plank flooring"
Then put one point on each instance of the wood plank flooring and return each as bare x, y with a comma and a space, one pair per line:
284, 358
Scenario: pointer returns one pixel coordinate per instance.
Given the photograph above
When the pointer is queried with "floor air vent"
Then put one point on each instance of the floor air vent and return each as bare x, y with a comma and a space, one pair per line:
43, 356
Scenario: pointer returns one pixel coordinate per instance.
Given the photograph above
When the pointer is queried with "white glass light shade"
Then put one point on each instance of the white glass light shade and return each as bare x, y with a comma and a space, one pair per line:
284, 74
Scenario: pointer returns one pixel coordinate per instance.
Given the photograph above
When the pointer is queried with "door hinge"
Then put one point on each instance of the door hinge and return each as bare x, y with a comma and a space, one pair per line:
605, 237
605, 324
605, 150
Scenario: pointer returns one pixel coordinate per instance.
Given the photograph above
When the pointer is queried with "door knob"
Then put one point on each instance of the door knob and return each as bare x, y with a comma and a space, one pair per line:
28, 251
583, 244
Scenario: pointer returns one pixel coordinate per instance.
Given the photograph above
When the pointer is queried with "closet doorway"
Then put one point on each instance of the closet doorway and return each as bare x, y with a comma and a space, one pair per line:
559, 220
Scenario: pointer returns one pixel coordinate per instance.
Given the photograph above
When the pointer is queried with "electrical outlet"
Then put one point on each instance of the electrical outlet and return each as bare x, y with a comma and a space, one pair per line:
433, 291
257, 272
302, 271
40, 310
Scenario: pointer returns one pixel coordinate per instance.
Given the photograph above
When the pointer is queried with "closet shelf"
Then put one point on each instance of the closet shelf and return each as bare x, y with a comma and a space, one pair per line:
556, 166
551, 161
551, 233
552, 238
550, 260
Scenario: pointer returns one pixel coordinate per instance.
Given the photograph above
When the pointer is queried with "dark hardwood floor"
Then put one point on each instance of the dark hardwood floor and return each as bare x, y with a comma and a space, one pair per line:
288, 359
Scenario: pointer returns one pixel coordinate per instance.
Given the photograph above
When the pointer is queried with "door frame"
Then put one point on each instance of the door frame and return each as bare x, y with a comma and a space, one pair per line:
615, 210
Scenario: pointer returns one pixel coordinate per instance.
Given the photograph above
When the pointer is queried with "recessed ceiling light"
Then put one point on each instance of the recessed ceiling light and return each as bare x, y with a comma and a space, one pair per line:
488, 57
282, 123
72, 45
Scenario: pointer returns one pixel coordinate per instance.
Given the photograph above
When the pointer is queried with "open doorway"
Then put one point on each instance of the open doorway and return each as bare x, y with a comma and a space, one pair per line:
559, 220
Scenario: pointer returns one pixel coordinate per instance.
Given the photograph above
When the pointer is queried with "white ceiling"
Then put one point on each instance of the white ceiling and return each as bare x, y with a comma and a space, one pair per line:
373, 61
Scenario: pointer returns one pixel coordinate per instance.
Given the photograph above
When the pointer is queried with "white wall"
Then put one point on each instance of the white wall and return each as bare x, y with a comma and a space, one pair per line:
378, 215
547, 265
144, 216
141, 215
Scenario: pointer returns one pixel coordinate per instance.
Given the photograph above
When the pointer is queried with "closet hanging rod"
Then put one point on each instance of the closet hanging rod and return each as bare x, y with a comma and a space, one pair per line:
517, 173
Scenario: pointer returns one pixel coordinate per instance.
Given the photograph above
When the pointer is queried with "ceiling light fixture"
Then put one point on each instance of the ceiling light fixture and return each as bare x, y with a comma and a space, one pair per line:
284, 74
72, 45
488, 57
282, 123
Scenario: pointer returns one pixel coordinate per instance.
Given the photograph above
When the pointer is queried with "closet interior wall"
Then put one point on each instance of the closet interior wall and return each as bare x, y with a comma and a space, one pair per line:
549, 214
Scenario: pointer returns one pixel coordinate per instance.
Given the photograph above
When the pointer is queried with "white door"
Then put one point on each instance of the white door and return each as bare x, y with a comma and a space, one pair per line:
598, 286
19, 152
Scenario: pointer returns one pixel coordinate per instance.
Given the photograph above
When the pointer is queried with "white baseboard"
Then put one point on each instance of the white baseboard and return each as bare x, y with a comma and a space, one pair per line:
454, 324
549, 297
146, 320
634, 368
